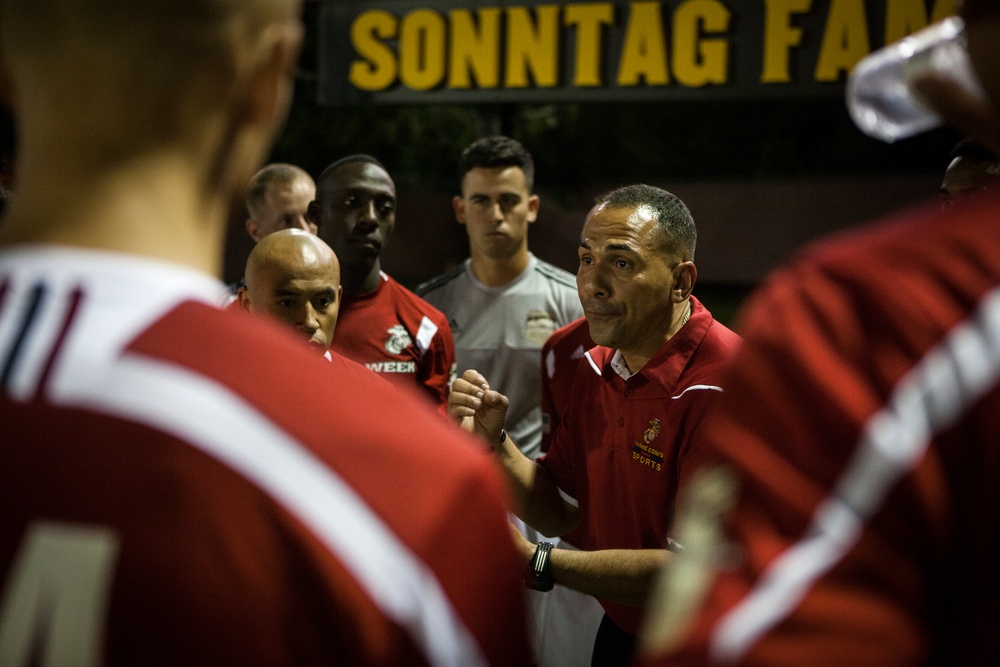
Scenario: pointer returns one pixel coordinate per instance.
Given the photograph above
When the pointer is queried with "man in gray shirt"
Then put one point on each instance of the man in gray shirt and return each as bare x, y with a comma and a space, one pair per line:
503, 302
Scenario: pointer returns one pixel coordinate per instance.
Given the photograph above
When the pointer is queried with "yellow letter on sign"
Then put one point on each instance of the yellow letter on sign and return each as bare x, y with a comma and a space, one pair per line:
700, 61
474, 50
644, 55
780, 37
588, 19
378, 69
531, 46
845, 39
421, 49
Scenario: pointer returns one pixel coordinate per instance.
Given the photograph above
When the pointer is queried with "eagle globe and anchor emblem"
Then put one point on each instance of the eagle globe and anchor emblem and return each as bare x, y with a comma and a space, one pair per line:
650, 433
399, 339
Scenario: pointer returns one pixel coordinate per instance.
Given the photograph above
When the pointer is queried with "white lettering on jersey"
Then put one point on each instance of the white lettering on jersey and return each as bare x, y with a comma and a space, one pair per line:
56, 595
393, 366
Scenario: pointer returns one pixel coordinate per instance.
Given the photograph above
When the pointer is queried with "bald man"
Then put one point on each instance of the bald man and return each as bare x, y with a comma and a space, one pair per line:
180, 486
294, 277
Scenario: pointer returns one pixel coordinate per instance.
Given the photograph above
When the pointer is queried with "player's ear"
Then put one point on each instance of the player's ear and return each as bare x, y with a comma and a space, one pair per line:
269, 73
253, 229
458, 204
534, 202
243, 297
685, 276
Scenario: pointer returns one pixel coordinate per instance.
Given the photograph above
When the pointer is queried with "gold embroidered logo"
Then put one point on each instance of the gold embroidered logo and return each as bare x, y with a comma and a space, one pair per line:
652, 431
646, 454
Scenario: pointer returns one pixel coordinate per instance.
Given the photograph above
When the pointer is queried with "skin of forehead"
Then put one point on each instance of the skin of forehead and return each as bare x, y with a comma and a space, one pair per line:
291, 254
491, 179
359, 175
296, 185
303, 260
278, 195
637, 223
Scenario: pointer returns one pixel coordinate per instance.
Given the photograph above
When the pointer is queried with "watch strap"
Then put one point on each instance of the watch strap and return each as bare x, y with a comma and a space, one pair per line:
538, 573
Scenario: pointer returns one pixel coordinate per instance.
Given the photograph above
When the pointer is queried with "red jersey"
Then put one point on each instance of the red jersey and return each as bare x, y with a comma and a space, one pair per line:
624, 444
400, 336
863, 421
183, 485
561, 354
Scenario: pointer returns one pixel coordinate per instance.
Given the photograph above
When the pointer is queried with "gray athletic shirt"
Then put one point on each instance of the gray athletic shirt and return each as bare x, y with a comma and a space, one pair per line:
499, 331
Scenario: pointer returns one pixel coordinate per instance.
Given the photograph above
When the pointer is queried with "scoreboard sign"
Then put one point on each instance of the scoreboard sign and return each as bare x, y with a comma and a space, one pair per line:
475, 51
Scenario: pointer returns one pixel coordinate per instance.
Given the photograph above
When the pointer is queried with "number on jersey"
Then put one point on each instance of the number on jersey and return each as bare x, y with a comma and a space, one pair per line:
54, 600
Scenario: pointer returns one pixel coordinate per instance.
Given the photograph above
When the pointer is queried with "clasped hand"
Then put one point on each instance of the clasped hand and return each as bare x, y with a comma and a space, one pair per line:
477, 408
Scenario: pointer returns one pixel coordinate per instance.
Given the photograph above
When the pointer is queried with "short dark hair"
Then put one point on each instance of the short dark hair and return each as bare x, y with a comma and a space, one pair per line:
335, 166
351, 159
673, 216
278, 173
497, 151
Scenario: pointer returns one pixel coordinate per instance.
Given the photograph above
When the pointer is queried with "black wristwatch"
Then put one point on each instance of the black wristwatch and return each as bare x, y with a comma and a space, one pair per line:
538, 573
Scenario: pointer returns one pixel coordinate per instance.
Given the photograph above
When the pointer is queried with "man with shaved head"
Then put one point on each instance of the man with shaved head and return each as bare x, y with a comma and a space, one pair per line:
294, 277
180, 484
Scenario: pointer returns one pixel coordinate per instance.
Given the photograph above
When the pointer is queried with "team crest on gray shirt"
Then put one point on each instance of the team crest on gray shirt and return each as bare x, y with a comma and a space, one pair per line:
399, 339
538, 327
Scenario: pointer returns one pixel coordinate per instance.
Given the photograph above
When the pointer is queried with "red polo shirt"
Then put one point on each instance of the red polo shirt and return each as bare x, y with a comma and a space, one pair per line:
400, 336
561, 354
623, 444
862, 420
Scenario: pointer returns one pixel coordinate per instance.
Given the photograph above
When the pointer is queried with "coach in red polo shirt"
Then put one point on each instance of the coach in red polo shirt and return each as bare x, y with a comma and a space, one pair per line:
634, 417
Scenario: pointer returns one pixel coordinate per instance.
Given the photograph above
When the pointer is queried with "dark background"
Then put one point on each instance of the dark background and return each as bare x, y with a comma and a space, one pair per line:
761, 177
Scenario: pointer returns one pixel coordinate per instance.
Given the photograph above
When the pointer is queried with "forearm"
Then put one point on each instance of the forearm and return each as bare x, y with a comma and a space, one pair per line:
534, 495
624, 576
536, 499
